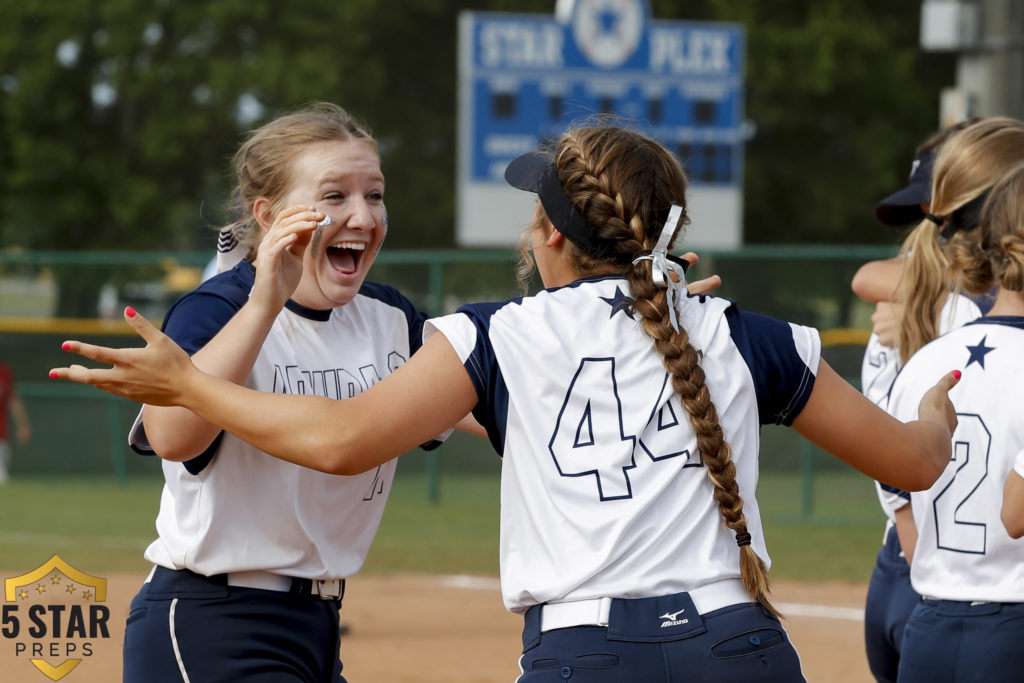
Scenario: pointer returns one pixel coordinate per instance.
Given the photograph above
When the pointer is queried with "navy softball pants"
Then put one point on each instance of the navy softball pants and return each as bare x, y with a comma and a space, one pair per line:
962, 642
741, 643
186, 627
890, 601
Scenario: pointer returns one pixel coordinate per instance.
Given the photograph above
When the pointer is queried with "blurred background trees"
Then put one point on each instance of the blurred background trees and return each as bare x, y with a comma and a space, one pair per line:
118, 117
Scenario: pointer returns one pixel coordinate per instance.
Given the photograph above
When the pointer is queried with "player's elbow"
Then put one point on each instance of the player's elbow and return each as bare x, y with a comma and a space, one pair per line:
1013, 523
928, 467
175, 450
342, 456
861, 285
340, 463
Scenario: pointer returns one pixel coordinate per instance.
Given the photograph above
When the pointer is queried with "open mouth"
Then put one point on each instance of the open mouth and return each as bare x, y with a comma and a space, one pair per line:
346, 256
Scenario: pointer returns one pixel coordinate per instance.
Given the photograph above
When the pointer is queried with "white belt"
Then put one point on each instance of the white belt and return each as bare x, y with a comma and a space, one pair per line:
594, 612
328, 589
973, 603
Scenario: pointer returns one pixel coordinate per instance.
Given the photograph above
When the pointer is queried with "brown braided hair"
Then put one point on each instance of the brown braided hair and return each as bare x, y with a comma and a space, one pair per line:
624, 184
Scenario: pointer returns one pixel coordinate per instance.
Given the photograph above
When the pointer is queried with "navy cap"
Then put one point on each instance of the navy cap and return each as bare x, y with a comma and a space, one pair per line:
904, 206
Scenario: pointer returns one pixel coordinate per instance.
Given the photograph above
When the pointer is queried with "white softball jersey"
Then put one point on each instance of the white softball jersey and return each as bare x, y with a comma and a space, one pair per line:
879, 368
603, 491
235, 508
963, 551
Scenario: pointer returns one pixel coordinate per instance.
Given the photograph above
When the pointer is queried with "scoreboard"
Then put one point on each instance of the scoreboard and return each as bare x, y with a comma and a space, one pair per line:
525, 78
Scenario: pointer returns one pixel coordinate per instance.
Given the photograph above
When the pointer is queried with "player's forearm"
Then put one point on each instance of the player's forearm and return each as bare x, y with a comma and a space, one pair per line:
1012, 512
877, 281
836, 417
178, 434
906, 530
923, 453
320, 433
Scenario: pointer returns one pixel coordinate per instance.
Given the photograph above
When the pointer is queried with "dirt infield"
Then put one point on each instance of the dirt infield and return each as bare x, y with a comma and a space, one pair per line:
427, 629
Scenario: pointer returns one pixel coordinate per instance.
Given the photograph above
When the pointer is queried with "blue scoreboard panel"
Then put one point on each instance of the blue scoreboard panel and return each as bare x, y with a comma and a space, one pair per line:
524, 78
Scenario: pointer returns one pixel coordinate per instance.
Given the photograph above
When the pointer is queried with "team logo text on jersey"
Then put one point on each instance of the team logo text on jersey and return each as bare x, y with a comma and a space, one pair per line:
672, 619
50, 614
336, 383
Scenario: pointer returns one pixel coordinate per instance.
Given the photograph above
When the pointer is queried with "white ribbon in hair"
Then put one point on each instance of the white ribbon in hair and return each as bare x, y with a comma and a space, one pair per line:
661, 266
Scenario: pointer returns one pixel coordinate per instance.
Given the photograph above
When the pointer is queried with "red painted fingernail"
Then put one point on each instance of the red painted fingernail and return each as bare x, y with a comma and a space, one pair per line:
66, 346
53, 374
129, 311
956, 373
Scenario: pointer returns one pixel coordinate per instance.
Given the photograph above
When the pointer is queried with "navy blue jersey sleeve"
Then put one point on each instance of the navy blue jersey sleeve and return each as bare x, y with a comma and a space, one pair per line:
198, 316
195, 319
491, 410
781, 363
393, 297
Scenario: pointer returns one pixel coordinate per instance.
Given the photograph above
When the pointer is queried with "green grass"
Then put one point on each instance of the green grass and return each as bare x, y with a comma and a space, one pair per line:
95, 524
100, 526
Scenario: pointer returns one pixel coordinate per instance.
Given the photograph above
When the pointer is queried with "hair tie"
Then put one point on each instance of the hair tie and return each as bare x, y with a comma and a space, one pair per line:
743, 539
933, 218
662, 265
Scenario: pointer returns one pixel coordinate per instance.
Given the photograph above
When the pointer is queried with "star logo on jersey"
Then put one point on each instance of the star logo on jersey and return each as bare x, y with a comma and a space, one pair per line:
978, 353
619, 302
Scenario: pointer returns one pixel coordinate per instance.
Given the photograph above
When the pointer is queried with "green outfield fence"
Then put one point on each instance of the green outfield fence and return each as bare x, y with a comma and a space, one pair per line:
79, 430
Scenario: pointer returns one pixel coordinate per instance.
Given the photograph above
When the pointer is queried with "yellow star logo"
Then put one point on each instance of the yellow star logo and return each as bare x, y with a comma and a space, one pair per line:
70, 588
87, 594
41, 588
55, 579
22, 594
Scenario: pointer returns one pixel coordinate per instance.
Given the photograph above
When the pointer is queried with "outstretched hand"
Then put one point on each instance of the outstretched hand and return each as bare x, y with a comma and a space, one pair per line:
156, 374
935, 405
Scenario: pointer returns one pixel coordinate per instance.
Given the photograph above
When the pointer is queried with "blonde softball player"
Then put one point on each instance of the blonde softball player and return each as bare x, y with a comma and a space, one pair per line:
252, 553
969, 571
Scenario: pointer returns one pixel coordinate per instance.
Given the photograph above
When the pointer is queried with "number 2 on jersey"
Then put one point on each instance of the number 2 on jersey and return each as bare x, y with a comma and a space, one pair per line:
589, 432
953, 528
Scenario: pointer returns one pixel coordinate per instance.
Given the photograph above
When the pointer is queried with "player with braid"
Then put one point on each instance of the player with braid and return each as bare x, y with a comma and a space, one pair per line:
631, 540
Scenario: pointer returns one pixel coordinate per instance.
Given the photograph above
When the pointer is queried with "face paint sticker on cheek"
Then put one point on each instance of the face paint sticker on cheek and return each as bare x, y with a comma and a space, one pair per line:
318, 234
384, 222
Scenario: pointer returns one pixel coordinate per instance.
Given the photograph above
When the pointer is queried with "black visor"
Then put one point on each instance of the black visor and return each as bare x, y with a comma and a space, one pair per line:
536, 172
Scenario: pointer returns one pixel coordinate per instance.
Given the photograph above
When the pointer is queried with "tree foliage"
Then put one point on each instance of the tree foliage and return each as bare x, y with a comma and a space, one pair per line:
118, 117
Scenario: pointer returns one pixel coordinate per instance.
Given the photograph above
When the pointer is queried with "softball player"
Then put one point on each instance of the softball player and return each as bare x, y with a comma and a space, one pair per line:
253, 552
890, 597
627, 414
965, 565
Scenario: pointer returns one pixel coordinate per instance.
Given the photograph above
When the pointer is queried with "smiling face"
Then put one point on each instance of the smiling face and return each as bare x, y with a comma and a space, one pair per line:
343, 180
